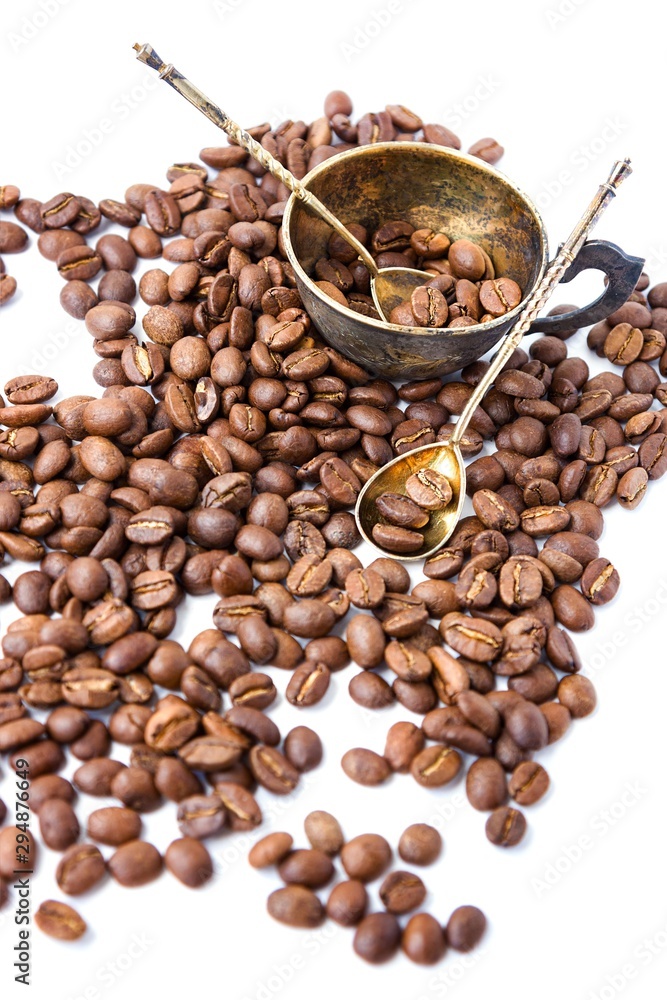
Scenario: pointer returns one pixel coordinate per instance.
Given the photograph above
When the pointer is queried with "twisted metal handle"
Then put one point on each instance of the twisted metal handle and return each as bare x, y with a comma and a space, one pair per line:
552, 276
167, 72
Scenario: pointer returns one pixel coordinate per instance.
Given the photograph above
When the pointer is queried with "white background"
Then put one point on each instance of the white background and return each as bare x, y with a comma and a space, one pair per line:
567, 88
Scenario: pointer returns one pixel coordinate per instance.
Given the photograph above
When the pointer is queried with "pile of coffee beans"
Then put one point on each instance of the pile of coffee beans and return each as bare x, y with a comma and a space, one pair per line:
463, 291
403, 514
225, 456
364, 859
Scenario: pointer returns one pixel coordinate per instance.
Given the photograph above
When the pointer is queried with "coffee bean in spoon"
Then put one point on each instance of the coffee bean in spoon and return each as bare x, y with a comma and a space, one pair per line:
395, 539
429, 489
401, 511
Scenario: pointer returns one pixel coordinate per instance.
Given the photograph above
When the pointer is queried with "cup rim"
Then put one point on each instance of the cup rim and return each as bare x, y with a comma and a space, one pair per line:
382, 326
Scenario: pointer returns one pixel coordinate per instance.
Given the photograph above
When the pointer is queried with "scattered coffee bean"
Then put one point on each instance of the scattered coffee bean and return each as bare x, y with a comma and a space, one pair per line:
60, 921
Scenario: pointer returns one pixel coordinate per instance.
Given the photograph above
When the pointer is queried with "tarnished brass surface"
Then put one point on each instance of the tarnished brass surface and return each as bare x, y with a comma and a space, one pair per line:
429, 186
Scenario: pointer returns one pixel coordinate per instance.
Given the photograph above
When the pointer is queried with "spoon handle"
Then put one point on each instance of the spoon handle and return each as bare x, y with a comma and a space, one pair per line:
146, 54
543, 291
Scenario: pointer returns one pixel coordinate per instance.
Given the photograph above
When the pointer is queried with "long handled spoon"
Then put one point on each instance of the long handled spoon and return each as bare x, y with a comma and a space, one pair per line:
446, 457
389, 285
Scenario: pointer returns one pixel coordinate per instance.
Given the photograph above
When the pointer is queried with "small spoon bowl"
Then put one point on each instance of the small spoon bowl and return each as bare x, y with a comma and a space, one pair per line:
392, 285
392, 477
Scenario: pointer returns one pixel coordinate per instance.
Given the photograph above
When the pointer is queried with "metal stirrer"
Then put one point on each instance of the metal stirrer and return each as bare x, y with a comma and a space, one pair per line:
389, 285
446, 456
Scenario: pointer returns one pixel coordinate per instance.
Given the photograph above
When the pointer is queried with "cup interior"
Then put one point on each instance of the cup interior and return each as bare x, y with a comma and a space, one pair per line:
429, 186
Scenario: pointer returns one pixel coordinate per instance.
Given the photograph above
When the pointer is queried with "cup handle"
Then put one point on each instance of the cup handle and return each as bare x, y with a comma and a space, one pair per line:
623, 273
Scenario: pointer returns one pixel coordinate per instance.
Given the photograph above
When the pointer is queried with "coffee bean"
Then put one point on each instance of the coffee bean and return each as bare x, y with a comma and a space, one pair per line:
324, 832
428, 489
272, 770
365, 766
465, 928
296, 906
600, 581
8, 287
13, 238
404, 742
396, 539
578, 695
270, 850
505, 826
401, 511
58, 824
80, 868
486, 787
347, 903
311, 868
309, 618
420, 844
189, 861
435, 766
402, 891
134, 863
377, 937
200, 816
113, 825
60, 921
366, 857
529, 782
303, 748
571, 608
308, 684
243, 812
631, 488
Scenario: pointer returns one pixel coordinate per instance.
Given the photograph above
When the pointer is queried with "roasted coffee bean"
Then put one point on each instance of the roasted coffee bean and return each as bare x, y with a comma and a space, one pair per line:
270, 850
526, 725
296, 906
505, 826
600, 581
435, 766
60, 921
135, 863
79, 869
308, 618
572, 609
200, 816
365, 766
401, 892
308, 684
189, 861
347, 903
370, 690
366, 856
377, 937
473, 638
578, 695
303, 748
529, 782
113, 825
429, 489
631, 488
486, 786
465, 928
395, 539
423, 939
401, 511
58, 824
272, 770
311, 868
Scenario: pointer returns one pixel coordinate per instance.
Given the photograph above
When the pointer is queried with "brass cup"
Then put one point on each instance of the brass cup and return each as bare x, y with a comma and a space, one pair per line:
436, 187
